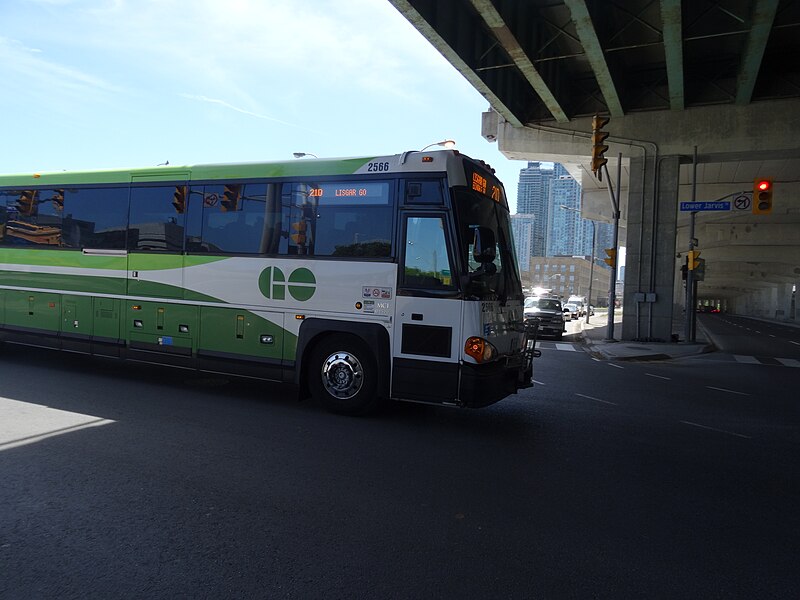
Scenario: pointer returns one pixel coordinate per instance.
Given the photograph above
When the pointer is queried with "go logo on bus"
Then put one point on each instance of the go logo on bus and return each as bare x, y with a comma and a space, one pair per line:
302, 284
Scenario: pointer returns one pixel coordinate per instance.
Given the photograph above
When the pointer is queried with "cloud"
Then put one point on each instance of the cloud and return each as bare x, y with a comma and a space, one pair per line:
30, 66
230, 106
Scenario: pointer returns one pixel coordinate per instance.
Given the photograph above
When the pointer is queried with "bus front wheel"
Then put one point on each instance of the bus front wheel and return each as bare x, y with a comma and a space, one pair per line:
343, 375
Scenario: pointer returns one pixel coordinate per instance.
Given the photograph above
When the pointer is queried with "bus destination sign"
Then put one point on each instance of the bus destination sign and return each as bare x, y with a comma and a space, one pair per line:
484, 186
357, 192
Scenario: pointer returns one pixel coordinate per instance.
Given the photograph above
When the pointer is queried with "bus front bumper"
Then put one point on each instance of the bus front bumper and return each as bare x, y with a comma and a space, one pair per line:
482, 385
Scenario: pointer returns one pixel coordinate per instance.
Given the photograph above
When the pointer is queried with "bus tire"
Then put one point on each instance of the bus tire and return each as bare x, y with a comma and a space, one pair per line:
343, 375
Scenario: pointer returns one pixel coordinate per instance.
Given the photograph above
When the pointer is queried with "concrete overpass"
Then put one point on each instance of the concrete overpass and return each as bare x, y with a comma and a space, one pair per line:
718, 79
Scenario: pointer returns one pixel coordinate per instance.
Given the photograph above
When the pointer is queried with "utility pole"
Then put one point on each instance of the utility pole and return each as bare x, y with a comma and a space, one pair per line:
688, 324
612, 287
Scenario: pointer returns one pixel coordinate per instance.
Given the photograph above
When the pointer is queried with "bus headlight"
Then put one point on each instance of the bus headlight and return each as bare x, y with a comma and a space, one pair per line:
479, 349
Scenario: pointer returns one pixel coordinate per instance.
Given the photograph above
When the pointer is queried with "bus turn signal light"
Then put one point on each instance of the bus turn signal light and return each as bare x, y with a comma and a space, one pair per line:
479, 349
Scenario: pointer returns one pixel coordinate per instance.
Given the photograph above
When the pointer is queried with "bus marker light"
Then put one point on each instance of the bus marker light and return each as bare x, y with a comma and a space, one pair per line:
183, 328
267, 339
299, 317
138, 323
136, 307
479, 349
426, 159
359, 306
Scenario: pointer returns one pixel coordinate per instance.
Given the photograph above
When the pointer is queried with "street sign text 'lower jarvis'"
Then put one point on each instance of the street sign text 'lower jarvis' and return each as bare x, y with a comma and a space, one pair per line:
696, 206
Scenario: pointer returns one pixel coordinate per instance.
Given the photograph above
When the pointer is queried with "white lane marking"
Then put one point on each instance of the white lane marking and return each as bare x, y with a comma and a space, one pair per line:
789, 362
747, 437
597, 399
770, 335
569, 347
615, 366
729, 391
751, 360
795, 343
538, 345
538, 382
758, 332
658, 376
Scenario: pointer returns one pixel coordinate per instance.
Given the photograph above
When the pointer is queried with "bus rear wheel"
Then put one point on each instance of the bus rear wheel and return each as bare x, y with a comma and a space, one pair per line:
343, 375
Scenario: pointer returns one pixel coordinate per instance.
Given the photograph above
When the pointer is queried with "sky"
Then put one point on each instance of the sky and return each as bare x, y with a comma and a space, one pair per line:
92, 84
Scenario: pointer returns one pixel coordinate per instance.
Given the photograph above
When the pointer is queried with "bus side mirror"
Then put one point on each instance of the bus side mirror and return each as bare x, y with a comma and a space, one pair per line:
484, 245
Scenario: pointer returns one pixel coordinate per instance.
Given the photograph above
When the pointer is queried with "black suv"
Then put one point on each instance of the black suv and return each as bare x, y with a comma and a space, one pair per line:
549, 312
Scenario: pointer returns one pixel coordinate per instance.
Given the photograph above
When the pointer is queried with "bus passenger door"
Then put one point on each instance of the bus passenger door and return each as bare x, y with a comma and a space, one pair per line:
427, 337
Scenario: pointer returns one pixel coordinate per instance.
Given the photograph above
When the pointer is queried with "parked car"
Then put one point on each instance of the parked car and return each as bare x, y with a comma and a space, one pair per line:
574, 310
549, 312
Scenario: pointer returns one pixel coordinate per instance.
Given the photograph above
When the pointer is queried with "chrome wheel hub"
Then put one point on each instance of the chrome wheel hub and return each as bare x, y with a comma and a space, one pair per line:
342, 375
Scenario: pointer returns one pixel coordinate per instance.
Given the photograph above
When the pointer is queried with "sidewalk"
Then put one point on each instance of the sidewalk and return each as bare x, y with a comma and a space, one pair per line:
594, 334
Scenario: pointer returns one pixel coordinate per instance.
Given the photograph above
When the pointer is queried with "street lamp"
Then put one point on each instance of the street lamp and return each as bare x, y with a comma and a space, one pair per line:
447, 144
302, 154
591, 267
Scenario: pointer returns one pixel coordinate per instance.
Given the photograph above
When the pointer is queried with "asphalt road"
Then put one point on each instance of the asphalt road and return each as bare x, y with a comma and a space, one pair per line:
657, 480
753, 337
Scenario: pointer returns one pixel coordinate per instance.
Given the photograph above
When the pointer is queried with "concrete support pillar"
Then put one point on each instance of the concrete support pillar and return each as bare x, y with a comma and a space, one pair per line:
784, 307
650, 252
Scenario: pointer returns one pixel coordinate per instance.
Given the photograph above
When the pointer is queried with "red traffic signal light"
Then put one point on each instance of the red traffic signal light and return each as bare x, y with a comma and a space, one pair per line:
762, 196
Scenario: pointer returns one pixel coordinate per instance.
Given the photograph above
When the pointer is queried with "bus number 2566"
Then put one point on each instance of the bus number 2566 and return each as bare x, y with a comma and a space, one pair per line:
377, 166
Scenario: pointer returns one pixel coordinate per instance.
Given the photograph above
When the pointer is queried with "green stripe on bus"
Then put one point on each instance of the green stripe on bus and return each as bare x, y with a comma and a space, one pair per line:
100, 285
296, 168
76, 259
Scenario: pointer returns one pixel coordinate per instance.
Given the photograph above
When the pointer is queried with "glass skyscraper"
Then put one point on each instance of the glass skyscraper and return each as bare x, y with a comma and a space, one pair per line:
533, 192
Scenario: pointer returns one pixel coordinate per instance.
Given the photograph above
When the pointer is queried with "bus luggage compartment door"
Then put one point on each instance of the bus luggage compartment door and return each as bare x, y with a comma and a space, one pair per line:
426, 349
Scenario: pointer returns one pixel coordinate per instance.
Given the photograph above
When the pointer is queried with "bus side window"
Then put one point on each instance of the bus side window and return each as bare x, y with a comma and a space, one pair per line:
95, 217
31, 217
234, 218
155, 223
426, 259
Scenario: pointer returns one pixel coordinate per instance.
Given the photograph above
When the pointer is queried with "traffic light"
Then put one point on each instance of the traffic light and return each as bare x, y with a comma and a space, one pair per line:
693, 259
598, 147
230, 198
611, 261
298, 235
762, 196
179, 198
26, 205
58, 200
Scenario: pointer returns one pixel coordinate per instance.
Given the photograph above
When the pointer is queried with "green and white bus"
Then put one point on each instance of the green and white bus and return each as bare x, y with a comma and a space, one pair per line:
357, 279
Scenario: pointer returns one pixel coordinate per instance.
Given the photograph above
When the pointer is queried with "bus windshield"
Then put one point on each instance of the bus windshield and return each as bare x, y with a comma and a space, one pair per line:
502, 283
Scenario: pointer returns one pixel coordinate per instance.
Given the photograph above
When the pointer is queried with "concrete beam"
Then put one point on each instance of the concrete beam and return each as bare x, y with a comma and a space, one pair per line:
673, 50
594, 54
508, 41
743, 132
